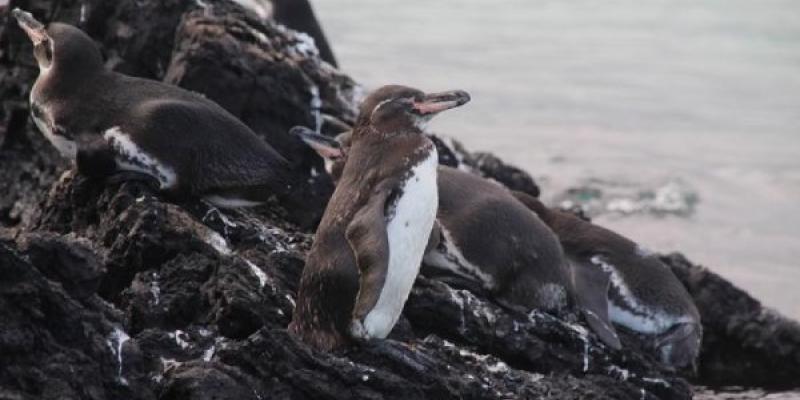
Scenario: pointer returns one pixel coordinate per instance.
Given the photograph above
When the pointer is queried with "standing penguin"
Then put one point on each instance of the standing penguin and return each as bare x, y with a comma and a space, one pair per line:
126, 127
485, 235
639, 291
368, 248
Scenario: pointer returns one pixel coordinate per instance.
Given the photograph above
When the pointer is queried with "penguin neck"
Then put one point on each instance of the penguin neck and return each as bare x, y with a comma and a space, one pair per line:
56, 81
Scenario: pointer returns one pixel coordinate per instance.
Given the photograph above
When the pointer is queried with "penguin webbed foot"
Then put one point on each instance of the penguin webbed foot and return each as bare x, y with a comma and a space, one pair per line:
396, 353
119, 177
461, 283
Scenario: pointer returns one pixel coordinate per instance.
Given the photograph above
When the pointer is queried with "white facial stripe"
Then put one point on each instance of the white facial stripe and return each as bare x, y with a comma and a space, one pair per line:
68, 148
377, 107
374, 110
44, 69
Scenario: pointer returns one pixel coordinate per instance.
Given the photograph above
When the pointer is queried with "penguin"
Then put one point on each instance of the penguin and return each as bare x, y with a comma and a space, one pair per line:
484, 235
640, 292
120, 127
368, 247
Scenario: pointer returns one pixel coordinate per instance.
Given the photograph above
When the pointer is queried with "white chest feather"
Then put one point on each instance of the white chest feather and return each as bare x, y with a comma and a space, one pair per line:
44, 121
130, 157
408, 231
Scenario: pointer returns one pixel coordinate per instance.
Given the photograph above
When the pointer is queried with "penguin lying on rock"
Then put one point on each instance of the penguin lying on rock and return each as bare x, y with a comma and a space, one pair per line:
123, 127
368, 247
643, 294
483, 234
610, 278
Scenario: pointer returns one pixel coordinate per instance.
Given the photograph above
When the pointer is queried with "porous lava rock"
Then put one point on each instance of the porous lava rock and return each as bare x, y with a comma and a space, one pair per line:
107, 291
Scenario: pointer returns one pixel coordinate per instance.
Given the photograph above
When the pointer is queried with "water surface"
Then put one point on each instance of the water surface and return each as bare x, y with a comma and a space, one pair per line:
622, 96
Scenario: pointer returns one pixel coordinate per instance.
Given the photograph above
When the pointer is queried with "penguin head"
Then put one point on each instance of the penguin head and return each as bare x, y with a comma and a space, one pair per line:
332, 150
59, 46
399, 108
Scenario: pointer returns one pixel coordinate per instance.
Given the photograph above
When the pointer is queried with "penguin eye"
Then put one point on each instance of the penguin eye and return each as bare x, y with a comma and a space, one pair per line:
44, 51
407, 102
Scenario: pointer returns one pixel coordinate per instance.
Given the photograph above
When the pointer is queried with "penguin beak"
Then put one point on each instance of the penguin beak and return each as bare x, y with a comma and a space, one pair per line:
327, 147
435, 103
35, 29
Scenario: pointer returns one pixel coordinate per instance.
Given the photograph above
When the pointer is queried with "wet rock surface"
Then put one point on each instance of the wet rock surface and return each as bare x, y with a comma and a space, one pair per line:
744, 344
110, 292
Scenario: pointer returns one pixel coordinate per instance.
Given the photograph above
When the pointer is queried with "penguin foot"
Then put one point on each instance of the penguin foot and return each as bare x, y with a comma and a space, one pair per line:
472, 285
357, 330
120, 177
398, 354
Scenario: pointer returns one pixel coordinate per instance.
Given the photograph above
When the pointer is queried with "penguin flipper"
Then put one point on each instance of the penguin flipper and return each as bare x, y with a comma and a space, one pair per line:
591, 292
95, 157
368, 238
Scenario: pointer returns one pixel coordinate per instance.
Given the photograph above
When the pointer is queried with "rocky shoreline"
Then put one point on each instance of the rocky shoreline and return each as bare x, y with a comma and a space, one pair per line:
111, 292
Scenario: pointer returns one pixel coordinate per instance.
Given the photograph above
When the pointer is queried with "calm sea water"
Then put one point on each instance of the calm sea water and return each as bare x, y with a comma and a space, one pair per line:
692, 104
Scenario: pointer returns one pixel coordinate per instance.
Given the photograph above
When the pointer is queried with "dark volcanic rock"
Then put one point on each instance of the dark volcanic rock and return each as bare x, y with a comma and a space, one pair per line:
299, 15
54, 346
269, 77
744, 344
66, 260
110, 292
206, 312
453, 154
